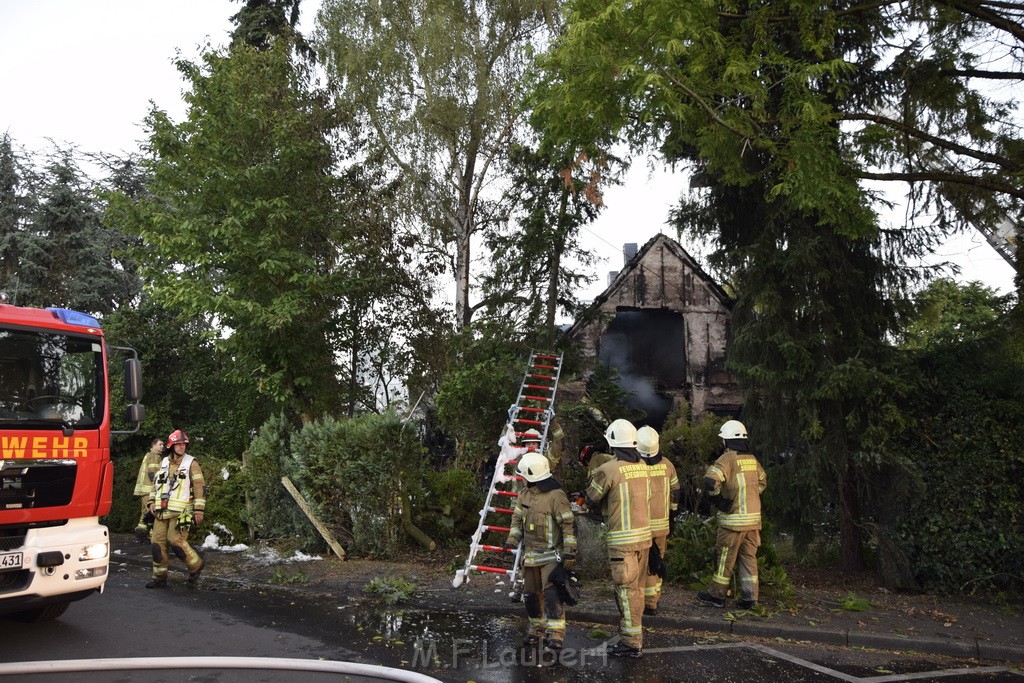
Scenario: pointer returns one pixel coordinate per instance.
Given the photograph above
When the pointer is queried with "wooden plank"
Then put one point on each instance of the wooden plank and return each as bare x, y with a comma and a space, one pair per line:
335, 546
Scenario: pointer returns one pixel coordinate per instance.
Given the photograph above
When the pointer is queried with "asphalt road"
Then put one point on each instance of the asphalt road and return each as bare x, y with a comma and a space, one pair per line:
222, 620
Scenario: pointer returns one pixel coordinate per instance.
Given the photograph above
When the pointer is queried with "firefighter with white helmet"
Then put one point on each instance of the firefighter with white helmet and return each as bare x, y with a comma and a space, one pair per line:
734, 484
544, 522
664, 503
620, 489
177, 501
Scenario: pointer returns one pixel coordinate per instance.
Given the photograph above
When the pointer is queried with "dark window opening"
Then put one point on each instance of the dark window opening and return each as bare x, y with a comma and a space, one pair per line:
648, 349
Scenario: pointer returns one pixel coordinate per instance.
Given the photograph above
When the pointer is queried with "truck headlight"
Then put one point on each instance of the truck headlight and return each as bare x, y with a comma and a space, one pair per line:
96, 551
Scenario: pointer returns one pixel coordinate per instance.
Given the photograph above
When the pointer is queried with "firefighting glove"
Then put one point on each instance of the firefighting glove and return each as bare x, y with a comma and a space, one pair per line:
569, 561
722, 503
185, 521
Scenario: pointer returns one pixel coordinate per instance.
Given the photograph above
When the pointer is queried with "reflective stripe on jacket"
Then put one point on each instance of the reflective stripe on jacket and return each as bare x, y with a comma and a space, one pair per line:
147, 474
664, 495
544, 520
184, 485
623, 489
740, 478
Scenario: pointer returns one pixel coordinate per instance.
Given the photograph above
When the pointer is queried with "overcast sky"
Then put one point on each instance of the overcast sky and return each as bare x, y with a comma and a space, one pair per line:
83, 72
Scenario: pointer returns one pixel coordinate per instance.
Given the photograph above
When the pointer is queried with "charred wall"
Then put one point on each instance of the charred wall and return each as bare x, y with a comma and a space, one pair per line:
664, 325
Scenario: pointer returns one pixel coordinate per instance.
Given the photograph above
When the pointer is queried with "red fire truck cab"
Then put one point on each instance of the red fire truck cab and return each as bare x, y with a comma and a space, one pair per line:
56, 476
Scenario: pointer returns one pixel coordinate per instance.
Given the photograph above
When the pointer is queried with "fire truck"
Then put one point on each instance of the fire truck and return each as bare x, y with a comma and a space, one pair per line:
56, 476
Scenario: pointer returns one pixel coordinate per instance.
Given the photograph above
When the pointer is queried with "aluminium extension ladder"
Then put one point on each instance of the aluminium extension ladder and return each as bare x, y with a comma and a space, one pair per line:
534, 408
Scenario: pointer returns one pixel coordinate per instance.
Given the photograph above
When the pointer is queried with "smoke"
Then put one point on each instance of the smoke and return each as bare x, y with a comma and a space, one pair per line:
636, 344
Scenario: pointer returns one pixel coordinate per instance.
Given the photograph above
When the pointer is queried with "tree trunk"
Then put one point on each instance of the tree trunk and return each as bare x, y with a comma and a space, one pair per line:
851, 554
556, 263
462, 310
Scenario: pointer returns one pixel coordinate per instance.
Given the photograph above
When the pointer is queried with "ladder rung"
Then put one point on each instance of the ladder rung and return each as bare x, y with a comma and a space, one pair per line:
492, 570
542, 377
538, 386
510, 494
495, 548
534, 410
538, 398
540, 355
504, 511
545, 367
501, 529
529, 422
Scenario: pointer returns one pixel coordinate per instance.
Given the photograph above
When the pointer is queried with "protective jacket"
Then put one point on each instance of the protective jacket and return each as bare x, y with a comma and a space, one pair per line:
664, 493
147, 474
740, 479
544, 521
596, 460
179, 484
622, 488
553, 452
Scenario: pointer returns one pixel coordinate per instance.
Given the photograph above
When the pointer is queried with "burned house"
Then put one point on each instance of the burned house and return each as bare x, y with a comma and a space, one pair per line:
663, 324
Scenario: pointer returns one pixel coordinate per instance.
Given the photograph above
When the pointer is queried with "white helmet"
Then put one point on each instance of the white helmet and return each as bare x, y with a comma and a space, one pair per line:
534, 467
531, 436
647, 442
621, 434
733, 429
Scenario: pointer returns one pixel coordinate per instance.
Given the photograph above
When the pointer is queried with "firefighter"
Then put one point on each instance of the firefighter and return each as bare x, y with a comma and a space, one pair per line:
543, 520
592, 458
664, 504
554, 449
620, 489
531, 441
144, 486
734, 484
177, 502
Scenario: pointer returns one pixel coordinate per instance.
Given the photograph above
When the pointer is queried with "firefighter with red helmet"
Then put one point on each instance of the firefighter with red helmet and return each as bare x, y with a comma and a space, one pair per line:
664, 504
734, 484
620, 489
177, 502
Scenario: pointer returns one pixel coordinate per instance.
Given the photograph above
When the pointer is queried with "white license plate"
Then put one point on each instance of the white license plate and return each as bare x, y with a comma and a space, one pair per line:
10, 561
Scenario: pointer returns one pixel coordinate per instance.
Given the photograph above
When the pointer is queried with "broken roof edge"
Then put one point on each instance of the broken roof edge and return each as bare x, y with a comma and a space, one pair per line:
586, 316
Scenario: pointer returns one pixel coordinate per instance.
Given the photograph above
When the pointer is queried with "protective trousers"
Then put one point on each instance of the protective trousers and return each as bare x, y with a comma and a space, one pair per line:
141, 524
736, 550
543, 605
652, 586
166, 533
629, 569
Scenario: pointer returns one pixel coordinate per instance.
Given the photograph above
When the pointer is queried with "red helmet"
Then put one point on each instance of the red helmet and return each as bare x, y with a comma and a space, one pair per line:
176, 437
586, 454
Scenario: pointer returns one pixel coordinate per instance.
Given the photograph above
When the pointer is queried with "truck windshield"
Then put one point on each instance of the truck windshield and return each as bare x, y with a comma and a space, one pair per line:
50, 378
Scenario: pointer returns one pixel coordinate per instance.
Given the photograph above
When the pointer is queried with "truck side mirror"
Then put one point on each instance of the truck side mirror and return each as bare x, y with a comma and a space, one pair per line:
135, 413
133, 381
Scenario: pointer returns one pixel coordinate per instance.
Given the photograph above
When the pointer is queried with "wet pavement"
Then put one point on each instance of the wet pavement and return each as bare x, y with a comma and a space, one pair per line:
470, 634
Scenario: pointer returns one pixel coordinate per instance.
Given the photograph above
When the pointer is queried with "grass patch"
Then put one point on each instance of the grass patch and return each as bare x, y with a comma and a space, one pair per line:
854, 604
281, 576
391, 590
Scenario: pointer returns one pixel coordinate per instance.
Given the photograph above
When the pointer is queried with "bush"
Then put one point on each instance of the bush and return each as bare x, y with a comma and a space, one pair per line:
447, 508
355, 473
271, 512
225, 496
691, 551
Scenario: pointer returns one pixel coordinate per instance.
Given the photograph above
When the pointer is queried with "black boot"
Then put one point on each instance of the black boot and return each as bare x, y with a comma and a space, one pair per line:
193, 577
620, 649
156, 582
